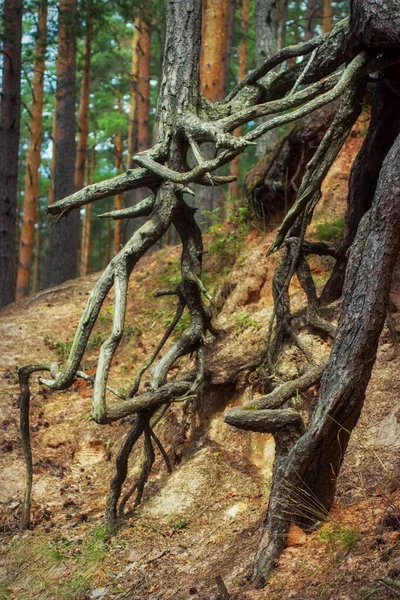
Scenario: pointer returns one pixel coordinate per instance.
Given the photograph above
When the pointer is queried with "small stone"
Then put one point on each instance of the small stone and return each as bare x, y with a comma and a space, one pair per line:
98, 593
133, 557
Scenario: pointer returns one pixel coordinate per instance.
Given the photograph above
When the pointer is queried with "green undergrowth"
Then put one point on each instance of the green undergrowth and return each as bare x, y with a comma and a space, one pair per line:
330, 231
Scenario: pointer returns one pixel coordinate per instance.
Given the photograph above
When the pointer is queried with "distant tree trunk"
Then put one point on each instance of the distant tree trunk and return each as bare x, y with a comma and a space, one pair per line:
83, 116
36, 261
118, 224
31, 192
64, 235
311, 14
86, 240
267, 27
143, 100
9, 142
52, 162
215, 44
213, 69
83, 127
235, 165
133, 123
327, 17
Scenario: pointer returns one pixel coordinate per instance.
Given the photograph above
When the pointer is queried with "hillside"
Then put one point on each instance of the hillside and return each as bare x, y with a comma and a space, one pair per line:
204, 519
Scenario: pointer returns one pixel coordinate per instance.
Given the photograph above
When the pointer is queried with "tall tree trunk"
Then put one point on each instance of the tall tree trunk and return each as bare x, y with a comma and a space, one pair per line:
235, 165
133, 117
36, 261
143, 100
83, 127
118, 224
64, 235
31, 192
327, 17
86, 241
52, 162
267, 28
9, 142
83, 115
215, 44
141, 136
213, 68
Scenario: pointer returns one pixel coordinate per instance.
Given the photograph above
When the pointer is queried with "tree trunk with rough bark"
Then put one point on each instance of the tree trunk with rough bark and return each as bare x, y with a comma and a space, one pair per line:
267, 31
143, 98
9, 143
133, 117
64, 236
32, 159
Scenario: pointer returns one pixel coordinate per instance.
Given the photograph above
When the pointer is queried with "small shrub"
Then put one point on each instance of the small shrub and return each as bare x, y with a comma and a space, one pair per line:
331, 232
342, 538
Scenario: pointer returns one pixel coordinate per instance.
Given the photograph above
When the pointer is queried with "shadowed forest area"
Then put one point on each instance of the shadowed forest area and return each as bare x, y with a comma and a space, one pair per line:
200, 296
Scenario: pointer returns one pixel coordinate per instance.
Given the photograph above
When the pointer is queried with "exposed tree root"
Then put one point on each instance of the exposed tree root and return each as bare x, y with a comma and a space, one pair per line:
186, 121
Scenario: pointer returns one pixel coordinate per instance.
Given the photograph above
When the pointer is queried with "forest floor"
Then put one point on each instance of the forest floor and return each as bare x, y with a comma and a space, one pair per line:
203, 520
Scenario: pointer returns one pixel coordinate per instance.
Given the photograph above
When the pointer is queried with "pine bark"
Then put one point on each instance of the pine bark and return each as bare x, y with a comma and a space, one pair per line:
9, 143
31, 191
213, 79
133, 118
267, 28
143, 99
64, 235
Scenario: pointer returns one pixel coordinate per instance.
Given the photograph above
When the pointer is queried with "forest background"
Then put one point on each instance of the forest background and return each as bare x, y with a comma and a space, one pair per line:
101, 63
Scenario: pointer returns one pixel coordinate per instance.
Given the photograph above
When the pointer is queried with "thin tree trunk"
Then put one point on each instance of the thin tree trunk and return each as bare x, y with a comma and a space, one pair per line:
83, 116
9, 142
36, 259
52, 162
31, 192
86, 242
64, 235
133, 124
118, 224
143, 101
82, 150
235, 165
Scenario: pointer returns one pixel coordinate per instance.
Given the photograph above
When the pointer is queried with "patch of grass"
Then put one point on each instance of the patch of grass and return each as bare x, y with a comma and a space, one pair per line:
331, 231
244, 321
76, 587
62, 349
180, 524
4, 592
341, 538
